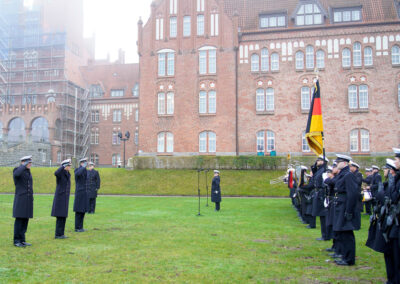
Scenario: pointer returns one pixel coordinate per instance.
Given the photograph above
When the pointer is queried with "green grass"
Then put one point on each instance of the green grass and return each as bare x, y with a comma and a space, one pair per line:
160, 182
147, 240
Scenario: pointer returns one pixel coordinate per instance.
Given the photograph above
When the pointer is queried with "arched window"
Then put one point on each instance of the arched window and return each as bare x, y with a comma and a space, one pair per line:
207, 142
359, 140
299, 60
395, 54
357, 54
1, 131
346, 58
16, 132
255, 63
310, 57
265, 141
320, 59
165, 142
368, 59
40, 130
274, 62
264, 60
94, 158
304, 145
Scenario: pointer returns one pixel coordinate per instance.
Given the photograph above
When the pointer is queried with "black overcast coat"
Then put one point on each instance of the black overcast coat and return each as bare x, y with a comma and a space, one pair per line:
216, 190
23, 199
318, 208
81, 199
346, 202
93, 183
376, 180
61, 196
359, 181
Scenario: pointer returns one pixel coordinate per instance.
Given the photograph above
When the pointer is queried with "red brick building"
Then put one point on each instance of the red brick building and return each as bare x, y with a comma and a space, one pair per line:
227, 77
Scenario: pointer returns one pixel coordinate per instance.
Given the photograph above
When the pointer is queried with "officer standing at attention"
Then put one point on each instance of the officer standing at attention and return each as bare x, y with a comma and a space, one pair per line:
318, 208
23, 200
367, 181
81, 200
376, 180
347, 218
354, 168
216, 190
61, 197
93, 186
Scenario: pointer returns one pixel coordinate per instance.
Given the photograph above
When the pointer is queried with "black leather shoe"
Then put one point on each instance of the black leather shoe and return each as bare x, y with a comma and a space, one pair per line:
61, 237
343, 263
80, 230
334, 255
19, 245
26, 244
320, 239
329, 249
309, 227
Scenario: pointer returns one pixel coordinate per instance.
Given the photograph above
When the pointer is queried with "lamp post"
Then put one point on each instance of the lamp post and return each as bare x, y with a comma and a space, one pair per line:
127, 135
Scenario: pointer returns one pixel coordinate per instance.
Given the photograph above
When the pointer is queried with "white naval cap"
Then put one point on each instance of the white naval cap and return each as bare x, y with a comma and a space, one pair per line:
26, 158
66, 162
329, 168
390, 164
83, 160
91, 164
352, 163
341, 157
374, 167
368, 169
304, 168
321, 157
216, 171
396, 152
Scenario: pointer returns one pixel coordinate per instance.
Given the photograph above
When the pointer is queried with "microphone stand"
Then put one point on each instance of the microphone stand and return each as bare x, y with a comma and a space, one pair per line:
207, 186
198, 188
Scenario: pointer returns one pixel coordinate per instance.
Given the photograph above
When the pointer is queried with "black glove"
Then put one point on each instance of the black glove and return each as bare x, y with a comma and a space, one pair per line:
348, 216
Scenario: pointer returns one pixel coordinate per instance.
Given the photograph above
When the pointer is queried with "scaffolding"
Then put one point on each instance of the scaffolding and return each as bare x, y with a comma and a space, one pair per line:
33, 72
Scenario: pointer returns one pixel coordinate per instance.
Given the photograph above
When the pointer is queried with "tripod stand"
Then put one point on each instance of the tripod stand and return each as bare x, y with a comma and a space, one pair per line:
206, 171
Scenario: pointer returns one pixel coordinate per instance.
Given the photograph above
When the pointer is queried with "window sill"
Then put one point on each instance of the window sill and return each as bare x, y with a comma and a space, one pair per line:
207, 114
207, 154
272, 112
299, 70
207, 74
165, 115
361, 153
369, 67
305, 111
117, 122
347, 68
165, 77
275, 71
165, 154
357, 67
359, 110
395, 65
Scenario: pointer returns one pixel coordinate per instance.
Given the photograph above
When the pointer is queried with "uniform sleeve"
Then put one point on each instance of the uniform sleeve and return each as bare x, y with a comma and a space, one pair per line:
98, 181
351, 192
18, 171
375, 182
58, 172
80, 172
308, 187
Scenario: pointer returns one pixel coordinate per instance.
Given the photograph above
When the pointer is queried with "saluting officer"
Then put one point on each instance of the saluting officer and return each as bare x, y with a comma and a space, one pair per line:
61, 197
93, 186
81, 200
346, 218
23, 200
318, 208
216, 190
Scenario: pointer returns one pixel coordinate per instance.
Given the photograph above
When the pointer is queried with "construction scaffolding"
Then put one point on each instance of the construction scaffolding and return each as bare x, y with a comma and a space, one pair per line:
33, 73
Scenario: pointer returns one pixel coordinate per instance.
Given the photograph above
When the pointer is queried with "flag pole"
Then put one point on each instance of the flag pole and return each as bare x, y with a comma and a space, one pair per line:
316, 71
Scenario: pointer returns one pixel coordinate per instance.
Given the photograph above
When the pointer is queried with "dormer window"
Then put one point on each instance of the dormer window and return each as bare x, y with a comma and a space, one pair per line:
272, 21
309, 14
343, 15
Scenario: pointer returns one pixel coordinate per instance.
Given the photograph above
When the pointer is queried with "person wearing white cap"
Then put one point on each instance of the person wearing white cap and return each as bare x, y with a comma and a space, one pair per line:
216, 190
354, 168
346, 216
376, 180
81, 200
23, 200
93, 186
366, 189
61, 198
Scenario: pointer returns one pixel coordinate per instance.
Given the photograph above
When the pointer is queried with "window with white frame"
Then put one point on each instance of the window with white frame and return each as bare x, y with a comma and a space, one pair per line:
265, 141
207, 60
207, 142
165, 142
305, 98
117, 115
395, 54
359, 140
137, 115
200, 25
115, 139
159, 29
186, 26
272, 21
200, 5
207, 102
161, 103
136, 137
260, 142
265, 100
346, 58
299, 60
94, 158
173, 7
135, 90
305, 148
255, 63
320, 59
214, 24
357, 54
173, 27
368, 59
358, 97
309, 57
264, 60
94, 136
351, 14
170, 103
166, 62
117, 93
116, 160
309, 14
270, 141
398, 94
166, 104
274, 62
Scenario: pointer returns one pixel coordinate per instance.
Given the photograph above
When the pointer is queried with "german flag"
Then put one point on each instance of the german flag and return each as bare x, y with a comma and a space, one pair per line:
315, 128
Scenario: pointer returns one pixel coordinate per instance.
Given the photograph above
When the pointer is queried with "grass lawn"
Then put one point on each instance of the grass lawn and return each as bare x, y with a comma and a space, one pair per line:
147, 240
160, 182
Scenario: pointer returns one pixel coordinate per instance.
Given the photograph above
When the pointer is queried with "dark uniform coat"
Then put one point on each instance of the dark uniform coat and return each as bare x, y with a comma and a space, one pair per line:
375, 181
215, 190
23, 200
93, 183
345, 202
359, 181
318, 208
61, 196
81, 199
330, 182
307, 191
